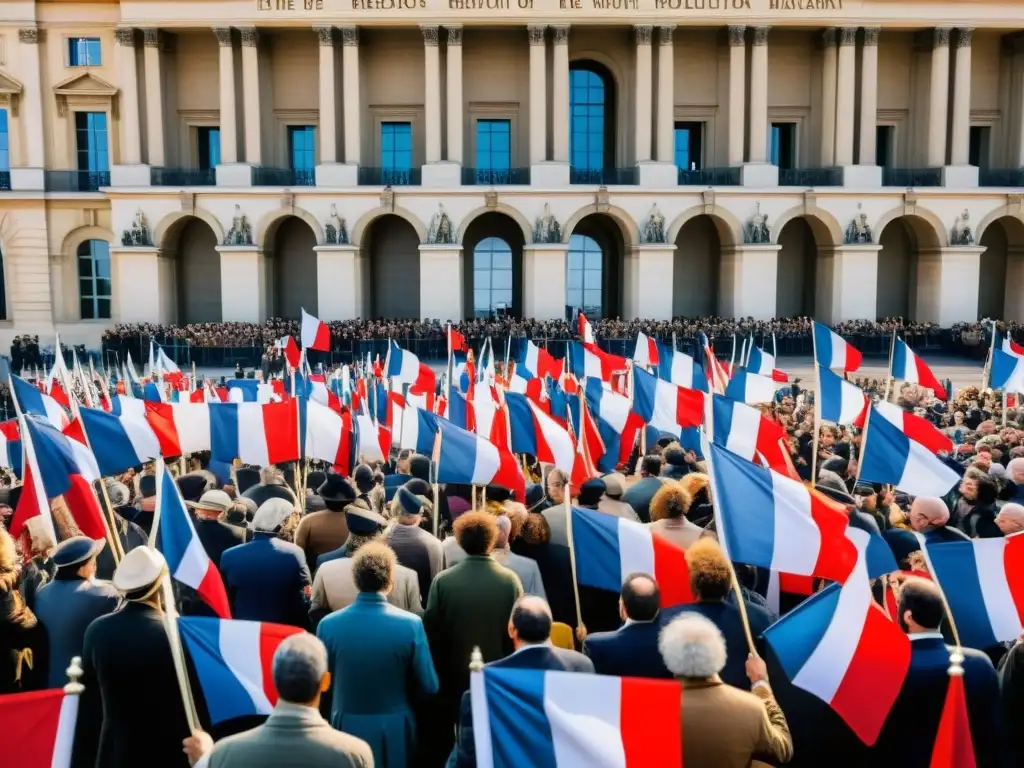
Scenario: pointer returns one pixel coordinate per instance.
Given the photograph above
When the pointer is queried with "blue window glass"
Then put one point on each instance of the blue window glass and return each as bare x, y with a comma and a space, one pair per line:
782, 145
396, 146
91, 141
583, 279
492, 277
302, 147
683, 148
493, 145
84, 52
209, 147
586, 119
5, 142
94, 280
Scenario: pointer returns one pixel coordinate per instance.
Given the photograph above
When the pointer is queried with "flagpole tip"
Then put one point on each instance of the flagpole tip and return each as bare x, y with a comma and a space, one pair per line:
476, 660
74, 673
956, 661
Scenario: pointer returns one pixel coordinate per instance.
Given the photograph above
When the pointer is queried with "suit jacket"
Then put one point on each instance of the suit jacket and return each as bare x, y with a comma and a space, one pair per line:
66, 608
527, 657
321, 532
379, 660
629, 651
639, 496
334, 588
266, 580
292, 736
526, 569
217, 537
418, 550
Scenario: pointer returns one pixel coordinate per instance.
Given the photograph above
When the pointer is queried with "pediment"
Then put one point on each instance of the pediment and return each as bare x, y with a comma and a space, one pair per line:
84, 84
8, 85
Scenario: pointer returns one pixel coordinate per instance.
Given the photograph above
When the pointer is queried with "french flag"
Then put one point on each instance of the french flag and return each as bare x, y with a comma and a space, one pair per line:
10, 445
664, 405
181, 428
762, 363
373, 440
251, 391
646, 352
536, 433
908, 367
841, 647
570, 719
750, 388
832, 351
460, 410
39, 728
915, 427
890, 456
1005, 343
610, 548
186, 559
328, 435
983, 581
617, 424
1006, 372
680, 369
536, 362
745, 431
839, 401
590, 362
30, 400
314, 333
257, 434
419, 430
775, 522
468, 459
119, 443
167, 368
233, 660
401, 365
290, 350
585, 329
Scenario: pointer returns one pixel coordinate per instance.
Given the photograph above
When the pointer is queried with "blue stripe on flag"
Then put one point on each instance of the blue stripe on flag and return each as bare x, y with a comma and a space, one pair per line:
53, 452
427, 432
175, 535
796, 635
30, 399
956, 570
900, 360
457, 458
596, 541
113, 450
521, 424
830, 392
721, 412
885, 452
745, 507
225, 697
224, 432
823, 345
520, 731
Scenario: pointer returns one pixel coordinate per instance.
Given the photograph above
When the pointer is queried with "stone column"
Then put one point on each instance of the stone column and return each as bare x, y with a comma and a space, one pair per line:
453, 69
737, 93
146, 278
128, 80
441, 282
538, 95
845, 83
228, 125
868, 96
154, 97
759, 96
960, 149
644, 78
30, 107
327, 96
560, 99
747, 281
251, 89
838, 268
666, 109
942, 274
339, 282
350, 76
939, 98
432, 92
648, 281
828, 98
544, 280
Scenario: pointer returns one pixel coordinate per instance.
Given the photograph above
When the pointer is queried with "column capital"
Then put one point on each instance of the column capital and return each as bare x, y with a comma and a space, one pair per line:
940, 36
151, 37
30, 35
871, 35
847, 36
963, 37
761, 35
125, 36
454, 34
223, 35
561, 34
324, 34
665, 34
828, 37
642, 32
535, 32
737, 36
250, 36
350, 36
429, 34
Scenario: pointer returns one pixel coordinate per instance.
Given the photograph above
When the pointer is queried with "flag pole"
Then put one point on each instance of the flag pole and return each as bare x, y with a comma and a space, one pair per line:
988, 359
567, 501
732, 355
892, 356
942, 594
817, 410
863, 443
170, 621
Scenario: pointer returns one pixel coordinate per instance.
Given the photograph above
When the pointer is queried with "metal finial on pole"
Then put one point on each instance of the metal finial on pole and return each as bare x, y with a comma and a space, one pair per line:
476, 660
74, 673
956, 662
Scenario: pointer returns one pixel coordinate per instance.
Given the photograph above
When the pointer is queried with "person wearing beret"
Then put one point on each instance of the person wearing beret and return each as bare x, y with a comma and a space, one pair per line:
415, 547
322, 532
67, 605
399, 477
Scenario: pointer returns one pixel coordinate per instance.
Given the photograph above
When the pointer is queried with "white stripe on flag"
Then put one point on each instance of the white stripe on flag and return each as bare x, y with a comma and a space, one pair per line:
193, 423
252, 435
636, 549
240, 649
481, 720
584, 716
742, 439
1002, 612
141, 436
410, 428
194, 562
797, 537
486, 464
63, 743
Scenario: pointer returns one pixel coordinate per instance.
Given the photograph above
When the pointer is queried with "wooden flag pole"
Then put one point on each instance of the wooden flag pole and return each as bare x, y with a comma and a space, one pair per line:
170, 619
863, 444
817, 411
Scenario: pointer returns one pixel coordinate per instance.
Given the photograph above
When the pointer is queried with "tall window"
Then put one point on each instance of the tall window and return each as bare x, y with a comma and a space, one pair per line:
583, 277
493, 145
492, 277
5, 142
302, 147
91, 141
783, 145
978, 146
884, 135
588, 129
688, 145
94, 279
84, 52
208, 141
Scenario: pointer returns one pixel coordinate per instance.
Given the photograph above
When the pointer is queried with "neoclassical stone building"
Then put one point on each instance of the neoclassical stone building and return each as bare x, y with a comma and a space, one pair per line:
190, 161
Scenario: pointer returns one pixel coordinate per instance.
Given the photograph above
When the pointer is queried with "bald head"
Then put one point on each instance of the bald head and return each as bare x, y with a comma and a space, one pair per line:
1010, 519
1015, 469
928, 512
530, 623
640, 598
504, 529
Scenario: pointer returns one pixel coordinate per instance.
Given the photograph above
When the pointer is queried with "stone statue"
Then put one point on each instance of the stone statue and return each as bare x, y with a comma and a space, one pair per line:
757, 231
138, 234
547, 229
858, 233
441, 230
335, 233
240, 232
654, 229
962, 232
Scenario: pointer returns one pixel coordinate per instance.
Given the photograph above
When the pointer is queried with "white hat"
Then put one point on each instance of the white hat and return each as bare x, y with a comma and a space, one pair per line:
215, 501
142, 567
272, 514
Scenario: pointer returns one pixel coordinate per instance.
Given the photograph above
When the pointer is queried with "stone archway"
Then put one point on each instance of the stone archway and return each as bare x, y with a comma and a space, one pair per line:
491, 240
391, 246
799, 242
193, 243
289, 245
588, 235
698, 258
902, 238
1001, 273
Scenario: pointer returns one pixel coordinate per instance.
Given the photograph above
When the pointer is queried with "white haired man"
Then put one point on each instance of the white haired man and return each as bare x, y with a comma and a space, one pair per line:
722, 726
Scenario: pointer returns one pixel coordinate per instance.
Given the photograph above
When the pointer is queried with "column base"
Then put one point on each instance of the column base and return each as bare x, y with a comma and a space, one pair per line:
234, 175
655, 175
863, 177
28, 180
337, 175
441, 174
544, 280
759, 175
441, 282
549, 175
960, 176
130, 176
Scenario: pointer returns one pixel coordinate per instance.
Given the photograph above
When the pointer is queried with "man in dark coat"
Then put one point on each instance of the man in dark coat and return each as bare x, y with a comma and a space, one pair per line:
639, 495
216, 536
632, 649
555, 565
67, 605
131, 713
325, 531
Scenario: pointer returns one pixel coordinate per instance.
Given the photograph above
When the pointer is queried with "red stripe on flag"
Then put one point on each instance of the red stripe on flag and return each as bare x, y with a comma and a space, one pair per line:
671, 572
322, 342
29, 505
161, 419
650, 721
837, 554
689, 407
344, 456
271, 636
1013, 564
282, 431
85, 508
30, 727
211, 589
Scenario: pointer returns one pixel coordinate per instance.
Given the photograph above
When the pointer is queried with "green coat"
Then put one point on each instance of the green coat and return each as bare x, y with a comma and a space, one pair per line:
469, 606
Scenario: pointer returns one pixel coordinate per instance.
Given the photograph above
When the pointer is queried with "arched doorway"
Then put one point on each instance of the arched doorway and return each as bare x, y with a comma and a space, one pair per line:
896, 289
294, 267
594, 266
1001, 274
796, 275
698, 259
592, 120
197, 267
493, 275
393, 248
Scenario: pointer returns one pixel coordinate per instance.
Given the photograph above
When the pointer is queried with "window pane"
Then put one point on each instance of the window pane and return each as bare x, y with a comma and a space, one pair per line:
502, 258
85, 268
501, 279
482, 279
85, 307
103, 308
574, 280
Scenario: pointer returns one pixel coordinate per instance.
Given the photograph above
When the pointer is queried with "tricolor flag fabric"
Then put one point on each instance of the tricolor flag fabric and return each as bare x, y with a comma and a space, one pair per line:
30, 400
610, 548
915, 427
841, 647
760, 362
538, 434
585, 329
983, 581
468, 459
10, 446
646, 352
260, 434
328, 436
1005, 343
187, 561
119, 442
233, 661
908, 367
162, 364
745, 431
616, 422
890, 456
839, 401
538, 718
419, 430
664, 405
314, 333
180, 427
750, 388
401, 364
373, 439
954, 747
832, 351
680, 369
251, 391
590, 362
39, 728
290, 350
536, 362
1006, 372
